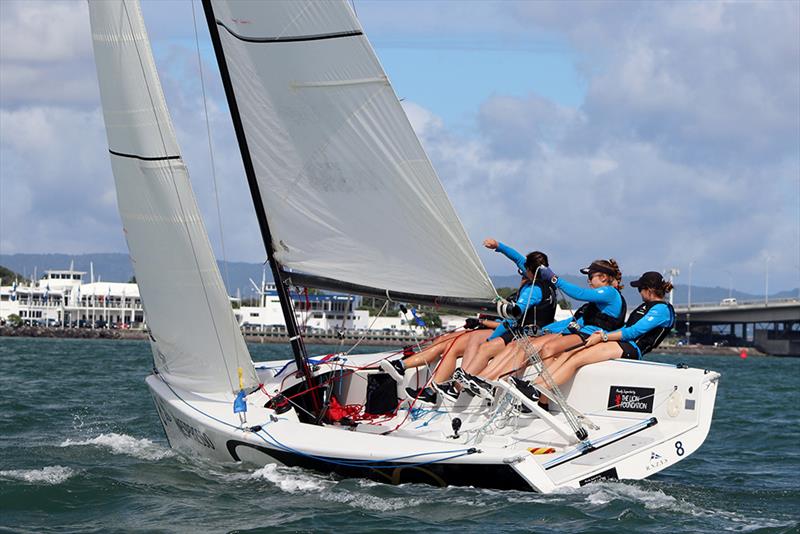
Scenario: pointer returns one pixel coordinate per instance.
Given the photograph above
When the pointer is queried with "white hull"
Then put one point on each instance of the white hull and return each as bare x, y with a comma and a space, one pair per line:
670, 424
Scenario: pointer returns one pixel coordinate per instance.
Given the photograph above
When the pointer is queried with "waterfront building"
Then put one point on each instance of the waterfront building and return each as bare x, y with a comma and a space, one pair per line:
60, 298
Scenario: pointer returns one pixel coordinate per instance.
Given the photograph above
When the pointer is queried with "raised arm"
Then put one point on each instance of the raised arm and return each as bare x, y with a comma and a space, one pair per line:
600, 295
506, 251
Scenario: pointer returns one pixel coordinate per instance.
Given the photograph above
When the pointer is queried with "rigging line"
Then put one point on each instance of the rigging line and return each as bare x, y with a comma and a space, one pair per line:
177, 193
358, 342
234, 326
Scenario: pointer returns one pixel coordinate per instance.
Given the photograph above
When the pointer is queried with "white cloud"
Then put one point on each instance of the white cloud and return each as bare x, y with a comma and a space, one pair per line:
686, 147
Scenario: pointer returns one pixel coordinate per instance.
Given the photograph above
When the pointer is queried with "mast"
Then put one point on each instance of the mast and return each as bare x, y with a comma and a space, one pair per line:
292, 329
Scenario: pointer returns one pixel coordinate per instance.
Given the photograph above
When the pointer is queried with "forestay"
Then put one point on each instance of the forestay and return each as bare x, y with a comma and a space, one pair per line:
195, 339
347, 189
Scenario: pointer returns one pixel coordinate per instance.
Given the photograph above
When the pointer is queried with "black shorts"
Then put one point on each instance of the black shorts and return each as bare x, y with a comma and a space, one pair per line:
530, 331
584, 336
629, 351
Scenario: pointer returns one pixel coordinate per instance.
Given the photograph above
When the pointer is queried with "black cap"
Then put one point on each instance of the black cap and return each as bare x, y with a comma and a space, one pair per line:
596, 267
649, 279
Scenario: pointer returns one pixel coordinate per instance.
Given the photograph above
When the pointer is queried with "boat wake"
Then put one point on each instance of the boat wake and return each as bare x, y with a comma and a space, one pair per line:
142, 448
287, 479
602, 494
51, 475
652, 499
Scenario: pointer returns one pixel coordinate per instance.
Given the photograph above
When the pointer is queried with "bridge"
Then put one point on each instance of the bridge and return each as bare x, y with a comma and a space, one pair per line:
771, 326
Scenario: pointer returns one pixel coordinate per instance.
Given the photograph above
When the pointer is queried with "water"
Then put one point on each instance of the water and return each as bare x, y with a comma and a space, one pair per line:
81, 450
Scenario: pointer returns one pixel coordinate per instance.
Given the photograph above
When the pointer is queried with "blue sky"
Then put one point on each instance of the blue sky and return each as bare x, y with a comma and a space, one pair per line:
659, 133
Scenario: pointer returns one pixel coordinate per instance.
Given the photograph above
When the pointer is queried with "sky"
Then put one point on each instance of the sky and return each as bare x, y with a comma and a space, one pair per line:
662, 134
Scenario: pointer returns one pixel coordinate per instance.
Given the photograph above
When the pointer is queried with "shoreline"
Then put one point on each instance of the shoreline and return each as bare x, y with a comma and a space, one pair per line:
377, 340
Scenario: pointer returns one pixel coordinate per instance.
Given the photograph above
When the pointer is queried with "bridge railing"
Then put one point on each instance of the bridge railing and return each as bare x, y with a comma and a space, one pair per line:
759, 302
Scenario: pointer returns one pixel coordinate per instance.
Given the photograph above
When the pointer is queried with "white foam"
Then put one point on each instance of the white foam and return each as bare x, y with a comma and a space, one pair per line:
54, 474
604, 492
290, 480
364, 501
141, 448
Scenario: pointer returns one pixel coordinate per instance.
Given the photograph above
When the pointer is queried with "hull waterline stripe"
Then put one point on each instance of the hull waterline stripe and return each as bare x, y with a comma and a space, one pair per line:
290, 39
576, 453
143, 158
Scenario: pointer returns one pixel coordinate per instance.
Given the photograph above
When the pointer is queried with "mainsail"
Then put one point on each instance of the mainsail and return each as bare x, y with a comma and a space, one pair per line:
195, 339
347, 190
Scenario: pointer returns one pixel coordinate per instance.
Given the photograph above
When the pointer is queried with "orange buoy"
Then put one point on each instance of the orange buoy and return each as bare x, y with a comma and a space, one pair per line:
541, 450
743, 354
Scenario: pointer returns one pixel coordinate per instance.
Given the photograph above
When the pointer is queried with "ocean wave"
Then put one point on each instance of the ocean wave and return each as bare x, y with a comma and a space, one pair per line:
602, 493
362, 501
141, 448
605, 492
54, 474
287, 479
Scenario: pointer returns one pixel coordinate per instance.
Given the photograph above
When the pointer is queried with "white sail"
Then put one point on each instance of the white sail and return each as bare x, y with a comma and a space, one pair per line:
194, 336
348, 191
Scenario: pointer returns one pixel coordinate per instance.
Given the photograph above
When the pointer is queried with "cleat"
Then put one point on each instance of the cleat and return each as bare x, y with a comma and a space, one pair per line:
395, 369
526, 388
426, 395
448, 389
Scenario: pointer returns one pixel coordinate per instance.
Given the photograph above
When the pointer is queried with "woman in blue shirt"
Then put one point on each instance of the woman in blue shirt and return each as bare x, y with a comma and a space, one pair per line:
536, 301
604, 308
646, 327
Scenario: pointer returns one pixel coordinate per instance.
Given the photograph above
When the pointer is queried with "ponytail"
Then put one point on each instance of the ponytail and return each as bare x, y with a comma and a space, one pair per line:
617, 273
665, 288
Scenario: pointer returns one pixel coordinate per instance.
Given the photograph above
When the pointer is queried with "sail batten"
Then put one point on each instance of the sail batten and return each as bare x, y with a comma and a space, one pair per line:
347, 189
195, 338
291, 38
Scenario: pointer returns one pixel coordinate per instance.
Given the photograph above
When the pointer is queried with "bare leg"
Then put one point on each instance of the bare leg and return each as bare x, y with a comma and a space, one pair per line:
473, 345
427, 355
480, 358
597, 353
514, 359
444, 370
556, 346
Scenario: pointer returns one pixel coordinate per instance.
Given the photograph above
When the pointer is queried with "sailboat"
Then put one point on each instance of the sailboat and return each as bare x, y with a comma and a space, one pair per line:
332, 163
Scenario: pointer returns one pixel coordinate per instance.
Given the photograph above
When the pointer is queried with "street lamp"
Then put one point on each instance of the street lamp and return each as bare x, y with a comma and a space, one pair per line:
689, 308
766, 283
673, 272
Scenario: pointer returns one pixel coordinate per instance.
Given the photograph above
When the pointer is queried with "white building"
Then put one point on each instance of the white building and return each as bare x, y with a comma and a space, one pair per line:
316, 312
61, 298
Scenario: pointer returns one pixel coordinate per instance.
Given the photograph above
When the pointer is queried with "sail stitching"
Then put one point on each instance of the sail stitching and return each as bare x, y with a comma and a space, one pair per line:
291, 38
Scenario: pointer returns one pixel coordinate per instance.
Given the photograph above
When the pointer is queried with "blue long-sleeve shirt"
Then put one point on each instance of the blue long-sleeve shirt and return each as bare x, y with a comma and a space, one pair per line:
657, 316
557, 327
607, 299
529, 294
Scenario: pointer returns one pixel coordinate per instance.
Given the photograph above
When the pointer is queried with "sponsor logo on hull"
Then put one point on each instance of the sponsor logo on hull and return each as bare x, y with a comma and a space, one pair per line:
656, 461
631, 399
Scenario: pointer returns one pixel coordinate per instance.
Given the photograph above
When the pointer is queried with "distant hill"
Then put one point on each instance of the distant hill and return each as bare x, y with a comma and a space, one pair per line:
680, 293
6, 275
117, 268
